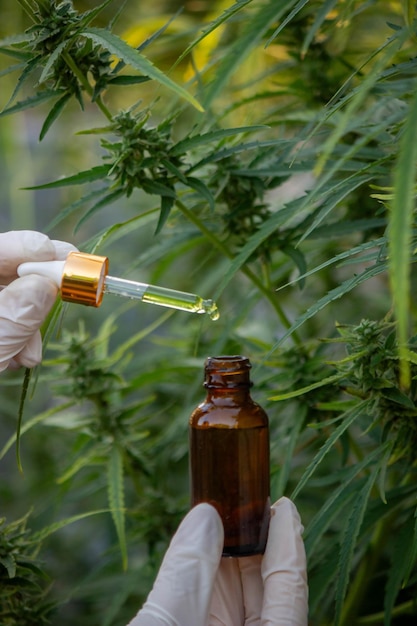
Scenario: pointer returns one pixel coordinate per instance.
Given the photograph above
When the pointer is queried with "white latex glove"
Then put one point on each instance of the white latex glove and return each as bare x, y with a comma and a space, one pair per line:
197, 587
26, 301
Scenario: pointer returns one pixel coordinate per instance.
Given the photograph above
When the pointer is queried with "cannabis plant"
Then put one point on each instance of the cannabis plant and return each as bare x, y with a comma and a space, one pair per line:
262, 153
24, 595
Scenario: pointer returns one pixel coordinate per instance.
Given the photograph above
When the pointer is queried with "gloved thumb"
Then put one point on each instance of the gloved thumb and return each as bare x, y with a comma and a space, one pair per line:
182, 591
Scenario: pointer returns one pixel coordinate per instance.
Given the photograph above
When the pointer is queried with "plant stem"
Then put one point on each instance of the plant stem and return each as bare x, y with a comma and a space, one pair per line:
409, 607
245, 270
84, 82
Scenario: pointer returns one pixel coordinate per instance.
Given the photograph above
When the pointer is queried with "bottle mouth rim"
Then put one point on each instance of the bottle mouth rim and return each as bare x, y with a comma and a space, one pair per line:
227, 372
227, 363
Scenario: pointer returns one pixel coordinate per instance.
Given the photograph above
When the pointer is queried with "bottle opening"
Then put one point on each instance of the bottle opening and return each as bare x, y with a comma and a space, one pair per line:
227, 372
227, 363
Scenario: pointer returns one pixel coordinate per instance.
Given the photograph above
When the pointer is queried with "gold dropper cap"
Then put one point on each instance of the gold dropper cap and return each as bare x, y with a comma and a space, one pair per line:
83, 278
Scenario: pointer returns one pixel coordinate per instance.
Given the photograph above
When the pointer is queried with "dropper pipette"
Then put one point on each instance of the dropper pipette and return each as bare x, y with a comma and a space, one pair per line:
83, 279
160, 295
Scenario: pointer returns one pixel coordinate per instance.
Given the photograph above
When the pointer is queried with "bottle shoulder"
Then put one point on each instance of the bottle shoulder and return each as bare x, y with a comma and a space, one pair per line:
229, 414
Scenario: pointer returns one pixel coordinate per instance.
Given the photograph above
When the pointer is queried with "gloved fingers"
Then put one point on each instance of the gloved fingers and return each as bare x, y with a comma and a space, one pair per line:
62, 249
31, 354
24, 304
19, 246
284, 569
183, 588
252, 584
227, 608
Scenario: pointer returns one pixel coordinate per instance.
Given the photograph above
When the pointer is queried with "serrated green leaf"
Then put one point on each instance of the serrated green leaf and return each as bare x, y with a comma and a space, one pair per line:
299, 261
23, 57
32, 422
120, 229
348, 419
128, 80
167, 202
53, 114
11, 69
8, 561
52, 58
190, 181
348, 186
155, 187
28, 68
121, 64
334, 506
160, 31
257, 25
347, 227
87, 176
403, 557
227, 14
400, 233
225, 153
53, 528
336, 293
104, 201
376, 244
320, 17
322, 581
337, 500
395, 395
357, 97
88, 456
115, 490
31, 102
299, 392
351, 532
286, 464
215, 135
412, 553
199, 186
13, 40
283, 23
88, 16
411, 356
135, 59
384, 468
75, 206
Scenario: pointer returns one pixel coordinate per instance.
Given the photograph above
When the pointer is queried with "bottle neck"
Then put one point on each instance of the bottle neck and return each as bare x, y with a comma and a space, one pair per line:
227, 376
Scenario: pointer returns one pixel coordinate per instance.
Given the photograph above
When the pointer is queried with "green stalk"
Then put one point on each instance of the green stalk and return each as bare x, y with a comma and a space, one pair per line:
84, 82
376, 619
245, 270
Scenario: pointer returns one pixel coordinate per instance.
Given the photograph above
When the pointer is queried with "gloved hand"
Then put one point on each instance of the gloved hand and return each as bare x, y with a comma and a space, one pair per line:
26, 301
196, 587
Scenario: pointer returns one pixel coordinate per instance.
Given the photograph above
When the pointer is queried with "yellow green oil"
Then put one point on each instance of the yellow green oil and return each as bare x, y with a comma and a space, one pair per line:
180, 300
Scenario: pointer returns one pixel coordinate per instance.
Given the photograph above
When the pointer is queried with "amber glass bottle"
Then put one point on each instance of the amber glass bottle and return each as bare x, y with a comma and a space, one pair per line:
229, 455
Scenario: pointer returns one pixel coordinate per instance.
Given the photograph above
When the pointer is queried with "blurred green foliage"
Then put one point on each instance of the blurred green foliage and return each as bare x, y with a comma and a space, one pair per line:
260, 153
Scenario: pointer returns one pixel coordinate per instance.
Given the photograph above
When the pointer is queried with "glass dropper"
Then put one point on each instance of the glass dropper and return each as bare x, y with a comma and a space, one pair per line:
83, 279
162, 296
